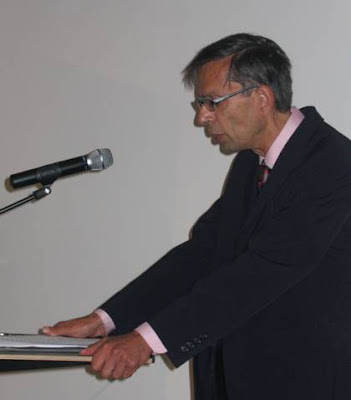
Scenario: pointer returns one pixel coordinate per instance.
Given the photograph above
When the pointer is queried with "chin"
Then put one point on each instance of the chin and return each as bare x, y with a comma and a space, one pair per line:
226, 150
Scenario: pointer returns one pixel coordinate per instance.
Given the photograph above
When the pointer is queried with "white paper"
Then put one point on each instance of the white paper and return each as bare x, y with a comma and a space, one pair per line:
17, 341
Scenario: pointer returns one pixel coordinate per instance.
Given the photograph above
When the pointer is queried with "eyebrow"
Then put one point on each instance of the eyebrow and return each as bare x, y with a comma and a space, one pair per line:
211, 95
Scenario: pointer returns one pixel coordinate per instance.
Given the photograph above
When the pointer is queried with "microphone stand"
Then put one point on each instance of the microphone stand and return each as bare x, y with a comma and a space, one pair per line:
36, 195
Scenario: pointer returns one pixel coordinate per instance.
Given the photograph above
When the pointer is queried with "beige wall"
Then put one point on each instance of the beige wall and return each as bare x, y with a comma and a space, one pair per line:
81, 74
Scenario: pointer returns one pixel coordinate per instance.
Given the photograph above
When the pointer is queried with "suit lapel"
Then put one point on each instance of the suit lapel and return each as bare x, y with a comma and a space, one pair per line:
239, 196
295, 151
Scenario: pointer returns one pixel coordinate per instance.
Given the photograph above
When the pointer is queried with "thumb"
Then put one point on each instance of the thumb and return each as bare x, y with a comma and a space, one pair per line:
47, 330
91, 350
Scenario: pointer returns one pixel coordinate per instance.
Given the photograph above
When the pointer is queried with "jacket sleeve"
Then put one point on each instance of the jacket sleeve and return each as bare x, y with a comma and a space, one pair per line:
171, 277
298, 228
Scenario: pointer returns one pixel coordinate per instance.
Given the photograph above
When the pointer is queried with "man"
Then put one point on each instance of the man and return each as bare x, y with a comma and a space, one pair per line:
260, 295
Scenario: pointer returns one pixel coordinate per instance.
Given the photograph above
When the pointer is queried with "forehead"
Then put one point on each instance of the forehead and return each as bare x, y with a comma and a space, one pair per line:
212, 77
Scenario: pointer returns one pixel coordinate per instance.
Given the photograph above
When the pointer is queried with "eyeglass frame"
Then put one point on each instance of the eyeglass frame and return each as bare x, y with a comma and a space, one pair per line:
207, 101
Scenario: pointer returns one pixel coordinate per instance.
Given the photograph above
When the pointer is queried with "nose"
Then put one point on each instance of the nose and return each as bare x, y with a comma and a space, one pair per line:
203, 116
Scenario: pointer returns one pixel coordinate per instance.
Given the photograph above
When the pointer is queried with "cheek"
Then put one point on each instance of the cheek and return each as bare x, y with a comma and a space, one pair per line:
234, 124
228, 119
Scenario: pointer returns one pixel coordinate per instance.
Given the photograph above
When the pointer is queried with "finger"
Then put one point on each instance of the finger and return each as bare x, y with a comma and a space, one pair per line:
108, 367
91, 350
90, 325
99, 359
128, 372
59, 329
119, 369
46, 330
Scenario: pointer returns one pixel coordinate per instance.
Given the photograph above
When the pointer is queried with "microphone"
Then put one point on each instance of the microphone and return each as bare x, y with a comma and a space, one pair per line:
96, 160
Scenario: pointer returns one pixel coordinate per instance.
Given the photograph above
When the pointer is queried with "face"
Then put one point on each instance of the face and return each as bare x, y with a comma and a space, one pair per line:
237, 123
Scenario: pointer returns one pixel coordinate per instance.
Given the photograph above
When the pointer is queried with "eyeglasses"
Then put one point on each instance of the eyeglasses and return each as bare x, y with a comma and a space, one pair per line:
211, 104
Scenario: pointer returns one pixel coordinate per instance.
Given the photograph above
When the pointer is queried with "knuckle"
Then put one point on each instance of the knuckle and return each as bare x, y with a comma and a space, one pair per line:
122, 356
128, 373
133, 364
94, 366
116, 375
104, 375
115, 352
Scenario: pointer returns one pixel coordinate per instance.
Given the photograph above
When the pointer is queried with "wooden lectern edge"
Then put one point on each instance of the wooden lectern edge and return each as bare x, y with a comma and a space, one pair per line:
46, 357
52, 357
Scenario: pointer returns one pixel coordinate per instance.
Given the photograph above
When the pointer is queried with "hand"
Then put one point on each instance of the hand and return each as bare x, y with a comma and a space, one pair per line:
118, 357
88, 326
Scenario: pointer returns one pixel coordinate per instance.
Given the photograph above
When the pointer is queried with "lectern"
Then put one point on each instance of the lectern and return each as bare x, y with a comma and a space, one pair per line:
26, 351
34, 360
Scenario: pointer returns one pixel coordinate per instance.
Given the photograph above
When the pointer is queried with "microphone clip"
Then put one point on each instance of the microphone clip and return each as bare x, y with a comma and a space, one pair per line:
36, 195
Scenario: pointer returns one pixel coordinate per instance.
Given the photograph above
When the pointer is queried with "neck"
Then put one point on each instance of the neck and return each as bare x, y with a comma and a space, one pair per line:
275, 124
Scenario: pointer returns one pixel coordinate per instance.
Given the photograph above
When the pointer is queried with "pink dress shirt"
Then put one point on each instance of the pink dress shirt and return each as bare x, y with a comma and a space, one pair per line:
281, 140
145, 329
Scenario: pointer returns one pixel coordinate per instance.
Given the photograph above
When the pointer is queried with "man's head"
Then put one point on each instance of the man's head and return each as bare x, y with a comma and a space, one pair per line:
255, 60
255, 67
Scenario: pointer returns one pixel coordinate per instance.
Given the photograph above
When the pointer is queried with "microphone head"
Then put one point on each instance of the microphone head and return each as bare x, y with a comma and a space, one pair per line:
99, 159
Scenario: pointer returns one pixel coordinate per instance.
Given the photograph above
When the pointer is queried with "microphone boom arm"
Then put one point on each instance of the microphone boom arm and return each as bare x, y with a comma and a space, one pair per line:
36, 195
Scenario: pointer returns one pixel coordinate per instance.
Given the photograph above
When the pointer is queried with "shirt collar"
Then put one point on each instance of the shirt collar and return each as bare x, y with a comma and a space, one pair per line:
281, 140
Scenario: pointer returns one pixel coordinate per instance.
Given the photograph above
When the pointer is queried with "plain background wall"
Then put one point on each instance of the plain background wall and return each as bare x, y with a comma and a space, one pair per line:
76, 75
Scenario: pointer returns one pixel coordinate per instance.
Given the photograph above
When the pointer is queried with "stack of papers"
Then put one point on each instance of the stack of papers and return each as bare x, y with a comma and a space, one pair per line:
23, 341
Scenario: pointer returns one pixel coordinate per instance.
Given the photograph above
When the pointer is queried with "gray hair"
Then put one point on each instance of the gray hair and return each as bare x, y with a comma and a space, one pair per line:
256, 60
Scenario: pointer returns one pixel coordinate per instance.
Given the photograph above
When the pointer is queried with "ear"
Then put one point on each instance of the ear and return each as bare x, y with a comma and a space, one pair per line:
265, 97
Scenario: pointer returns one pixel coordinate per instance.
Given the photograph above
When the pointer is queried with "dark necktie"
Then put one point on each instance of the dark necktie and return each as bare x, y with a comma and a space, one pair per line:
263, 172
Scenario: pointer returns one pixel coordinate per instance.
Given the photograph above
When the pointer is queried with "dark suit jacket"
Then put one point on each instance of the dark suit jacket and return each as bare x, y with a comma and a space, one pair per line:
267, 276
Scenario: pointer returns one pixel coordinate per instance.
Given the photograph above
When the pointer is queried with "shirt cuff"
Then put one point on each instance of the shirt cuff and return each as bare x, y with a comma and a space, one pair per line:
107, 321
151, 338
